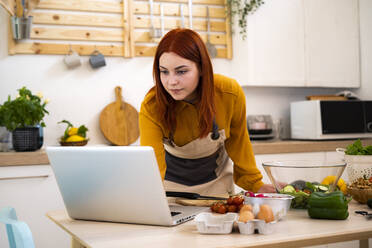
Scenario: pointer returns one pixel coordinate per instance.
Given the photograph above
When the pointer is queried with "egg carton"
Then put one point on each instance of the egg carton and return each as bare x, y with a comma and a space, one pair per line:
209, 223
260, 226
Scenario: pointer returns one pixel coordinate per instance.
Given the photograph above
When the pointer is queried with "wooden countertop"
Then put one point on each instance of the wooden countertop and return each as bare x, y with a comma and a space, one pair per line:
259, 147
296, 230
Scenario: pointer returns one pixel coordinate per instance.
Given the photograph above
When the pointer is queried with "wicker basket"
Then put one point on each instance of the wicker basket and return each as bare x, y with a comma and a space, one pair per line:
75, 143
360, 195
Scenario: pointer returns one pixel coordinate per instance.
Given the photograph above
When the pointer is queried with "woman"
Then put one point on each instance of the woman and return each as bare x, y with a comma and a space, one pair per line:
196, 121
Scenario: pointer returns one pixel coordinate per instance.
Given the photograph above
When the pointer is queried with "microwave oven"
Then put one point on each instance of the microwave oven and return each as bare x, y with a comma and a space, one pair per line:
327, 120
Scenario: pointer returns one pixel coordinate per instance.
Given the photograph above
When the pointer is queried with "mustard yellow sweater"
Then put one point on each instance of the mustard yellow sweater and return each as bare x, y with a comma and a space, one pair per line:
231, 116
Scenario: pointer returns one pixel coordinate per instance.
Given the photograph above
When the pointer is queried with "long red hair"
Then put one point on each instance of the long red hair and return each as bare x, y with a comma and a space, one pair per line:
187, 44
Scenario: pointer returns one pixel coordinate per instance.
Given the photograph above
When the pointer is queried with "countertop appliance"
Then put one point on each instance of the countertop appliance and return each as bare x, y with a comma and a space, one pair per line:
260, 127
327, 120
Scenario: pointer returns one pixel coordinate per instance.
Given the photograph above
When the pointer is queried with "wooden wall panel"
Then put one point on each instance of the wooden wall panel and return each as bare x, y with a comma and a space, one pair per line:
125, 24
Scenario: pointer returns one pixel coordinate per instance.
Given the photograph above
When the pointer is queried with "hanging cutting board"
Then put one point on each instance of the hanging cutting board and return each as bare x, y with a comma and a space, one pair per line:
118, 121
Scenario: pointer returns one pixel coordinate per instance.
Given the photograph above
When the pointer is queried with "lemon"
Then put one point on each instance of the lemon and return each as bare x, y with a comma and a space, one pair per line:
72, 131
340, 184
75, 138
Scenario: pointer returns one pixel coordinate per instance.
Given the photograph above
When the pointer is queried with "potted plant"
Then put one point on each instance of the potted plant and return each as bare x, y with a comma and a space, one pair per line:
23, 116
242, 9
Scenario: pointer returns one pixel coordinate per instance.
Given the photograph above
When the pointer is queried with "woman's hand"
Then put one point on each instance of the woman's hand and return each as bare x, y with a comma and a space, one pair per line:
269, 188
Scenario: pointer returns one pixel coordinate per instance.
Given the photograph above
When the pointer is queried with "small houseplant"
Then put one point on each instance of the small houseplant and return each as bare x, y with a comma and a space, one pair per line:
242, 8
23, 116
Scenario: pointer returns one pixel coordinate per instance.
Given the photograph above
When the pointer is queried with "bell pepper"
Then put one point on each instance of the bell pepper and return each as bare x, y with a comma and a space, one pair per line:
341, 185
332, 205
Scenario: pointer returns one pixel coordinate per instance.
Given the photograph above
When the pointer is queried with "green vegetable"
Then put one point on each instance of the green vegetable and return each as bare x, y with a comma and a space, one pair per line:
330, 214
333, 206
358, 149
369, 203
288, 189
302, 196
328, 200
323, 188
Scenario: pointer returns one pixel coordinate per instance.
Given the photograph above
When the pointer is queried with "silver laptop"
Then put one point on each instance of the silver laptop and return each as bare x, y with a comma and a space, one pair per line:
116, 184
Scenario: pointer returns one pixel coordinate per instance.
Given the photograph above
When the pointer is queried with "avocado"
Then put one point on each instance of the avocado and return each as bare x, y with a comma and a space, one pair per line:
299, 184
369, 203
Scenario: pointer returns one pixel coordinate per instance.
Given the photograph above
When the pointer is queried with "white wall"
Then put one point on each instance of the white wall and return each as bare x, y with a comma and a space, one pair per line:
79, 95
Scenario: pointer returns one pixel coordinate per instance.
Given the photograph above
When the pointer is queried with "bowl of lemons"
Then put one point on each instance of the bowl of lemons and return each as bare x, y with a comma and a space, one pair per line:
74, 136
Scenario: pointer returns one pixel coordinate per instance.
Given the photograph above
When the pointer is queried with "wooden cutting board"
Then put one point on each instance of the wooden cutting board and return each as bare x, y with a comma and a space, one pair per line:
118, 121
200, 203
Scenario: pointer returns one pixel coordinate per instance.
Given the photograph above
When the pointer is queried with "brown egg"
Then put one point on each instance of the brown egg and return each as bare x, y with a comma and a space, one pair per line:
246, 207
246, 216
266, 213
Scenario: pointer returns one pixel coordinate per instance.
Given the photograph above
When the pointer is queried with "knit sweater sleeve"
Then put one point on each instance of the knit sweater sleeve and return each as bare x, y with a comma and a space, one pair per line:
239, 148
151, 134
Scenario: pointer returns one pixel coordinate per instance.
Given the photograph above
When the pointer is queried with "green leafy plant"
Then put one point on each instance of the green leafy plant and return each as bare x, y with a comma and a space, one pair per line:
242, 8
358, 149
24, 111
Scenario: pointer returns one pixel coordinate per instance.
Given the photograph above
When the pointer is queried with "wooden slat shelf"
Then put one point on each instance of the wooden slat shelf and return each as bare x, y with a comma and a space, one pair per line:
124, 26
81, 5
77, 20
198, 25
174, 10
76, 34
140, 22
50, 48
259, 148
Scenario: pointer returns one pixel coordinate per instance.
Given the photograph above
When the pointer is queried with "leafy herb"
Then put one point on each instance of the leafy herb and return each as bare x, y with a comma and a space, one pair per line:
358, 149
242, 9
24, 111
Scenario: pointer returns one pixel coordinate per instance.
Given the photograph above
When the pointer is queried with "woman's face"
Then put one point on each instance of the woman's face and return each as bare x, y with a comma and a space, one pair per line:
179, 76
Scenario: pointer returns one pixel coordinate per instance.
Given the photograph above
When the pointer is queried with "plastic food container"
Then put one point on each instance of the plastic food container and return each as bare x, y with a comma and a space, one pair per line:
280, 203
209, 223
252, 225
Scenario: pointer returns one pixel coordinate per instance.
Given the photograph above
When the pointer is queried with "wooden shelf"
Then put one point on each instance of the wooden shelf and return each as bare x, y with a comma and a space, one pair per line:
118, 28
23, 158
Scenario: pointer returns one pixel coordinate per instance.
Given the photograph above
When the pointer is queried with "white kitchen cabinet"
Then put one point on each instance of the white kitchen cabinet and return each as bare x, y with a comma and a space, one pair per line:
307, 43
33, 191
332, 43
275, 42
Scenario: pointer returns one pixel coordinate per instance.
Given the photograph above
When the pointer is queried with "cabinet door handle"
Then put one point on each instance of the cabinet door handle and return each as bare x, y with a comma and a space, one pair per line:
23, 177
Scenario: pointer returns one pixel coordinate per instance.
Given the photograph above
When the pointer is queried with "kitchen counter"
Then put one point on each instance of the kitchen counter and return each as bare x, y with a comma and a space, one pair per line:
296, 230
259, 147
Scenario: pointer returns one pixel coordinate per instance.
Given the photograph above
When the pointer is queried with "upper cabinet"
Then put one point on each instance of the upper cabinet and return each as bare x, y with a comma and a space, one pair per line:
332, 43
311, 43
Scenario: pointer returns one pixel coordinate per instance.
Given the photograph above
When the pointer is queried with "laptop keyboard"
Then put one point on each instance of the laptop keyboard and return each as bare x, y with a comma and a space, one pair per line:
175, 213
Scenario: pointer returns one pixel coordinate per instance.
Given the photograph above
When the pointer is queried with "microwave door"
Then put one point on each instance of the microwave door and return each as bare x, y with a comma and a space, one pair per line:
339, 117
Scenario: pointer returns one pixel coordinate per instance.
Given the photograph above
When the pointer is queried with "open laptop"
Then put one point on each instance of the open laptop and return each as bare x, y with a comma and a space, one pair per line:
116, 184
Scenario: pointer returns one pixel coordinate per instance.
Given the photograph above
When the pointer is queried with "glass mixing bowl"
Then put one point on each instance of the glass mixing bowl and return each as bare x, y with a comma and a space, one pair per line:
302, 177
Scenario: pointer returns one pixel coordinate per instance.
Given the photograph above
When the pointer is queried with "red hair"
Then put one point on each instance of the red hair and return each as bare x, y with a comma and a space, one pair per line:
187, 44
